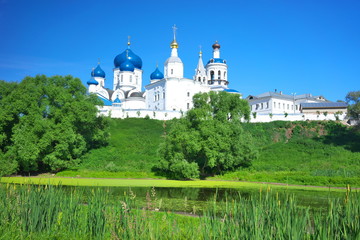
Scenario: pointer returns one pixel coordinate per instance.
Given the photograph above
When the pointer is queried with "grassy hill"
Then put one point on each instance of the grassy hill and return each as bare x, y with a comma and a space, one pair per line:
315, 153
132, 151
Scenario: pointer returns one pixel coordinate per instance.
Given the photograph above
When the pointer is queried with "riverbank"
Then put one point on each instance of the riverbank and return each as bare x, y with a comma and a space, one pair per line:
117, 182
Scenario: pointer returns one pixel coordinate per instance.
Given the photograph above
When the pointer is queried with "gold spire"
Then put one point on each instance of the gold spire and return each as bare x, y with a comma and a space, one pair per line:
98, 61
174, 44
200, 50
128, 43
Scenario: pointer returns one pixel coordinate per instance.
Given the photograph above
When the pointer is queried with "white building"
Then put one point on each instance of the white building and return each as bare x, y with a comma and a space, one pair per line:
271, 106
167, 95
170, 94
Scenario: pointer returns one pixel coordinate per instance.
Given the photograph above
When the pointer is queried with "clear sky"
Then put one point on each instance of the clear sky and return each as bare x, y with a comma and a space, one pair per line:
307, 46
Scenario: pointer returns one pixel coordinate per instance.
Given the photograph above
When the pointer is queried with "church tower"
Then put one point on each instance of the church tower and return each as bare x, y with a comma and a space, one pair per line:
216, 68
173, 66
200, 71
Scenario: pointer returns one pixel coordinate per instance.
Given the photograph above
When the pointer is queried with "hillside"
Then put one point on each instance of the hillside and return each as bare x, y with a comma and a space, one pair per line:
319, 153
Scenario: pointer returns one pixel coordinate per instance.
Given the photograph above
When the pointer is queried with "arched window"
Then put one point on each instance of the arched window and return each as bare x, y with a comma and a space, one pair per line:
225, 75
130, 78
212, 75
204, 79
219, 75
122, 78
199, 78
172, 71
274, 104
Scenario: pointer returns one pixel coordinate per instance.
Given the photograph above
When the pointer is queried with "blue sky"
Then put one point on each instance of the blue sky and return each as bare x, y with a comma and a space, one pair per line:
308, 46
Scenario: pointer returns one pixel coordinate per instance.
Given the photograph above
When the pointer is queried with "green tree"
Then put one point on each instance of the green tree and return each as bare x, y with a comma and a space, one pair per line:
48, 123
209, 139
353, 99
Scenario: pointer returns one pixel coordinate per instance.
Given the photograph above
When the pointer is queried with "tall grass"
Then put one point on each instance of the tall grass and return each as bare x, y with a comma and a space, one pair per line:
53, 212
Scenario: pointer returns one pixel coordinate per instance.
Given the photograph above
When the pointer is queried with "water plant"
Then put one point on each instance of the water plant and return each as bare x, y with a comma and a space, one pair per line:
55, 212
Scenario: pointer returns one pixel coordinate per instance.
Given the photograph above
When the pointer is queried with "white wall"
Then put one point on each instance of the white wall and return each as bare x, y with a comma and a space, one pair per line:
294, 117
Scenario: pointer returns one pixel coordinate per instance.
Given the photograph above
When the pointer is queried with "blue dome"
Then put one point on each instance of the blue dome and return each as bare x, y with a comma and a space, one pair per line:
117, 100
92, 82
98, 72
134, 59
156, 74
127, 66
216, 60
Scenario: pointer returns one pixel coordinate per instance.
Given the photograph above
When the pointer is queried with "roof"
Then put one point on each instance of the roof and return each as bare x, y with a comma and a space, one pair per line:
324, 105
105, 101
285, 96
110, 92
229, 90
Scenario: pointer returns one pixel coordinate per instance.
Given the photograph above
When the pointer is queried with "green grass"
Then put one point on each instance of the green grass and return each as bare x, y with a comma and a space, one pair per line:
132, 148
105, 174
151, 183
310, 153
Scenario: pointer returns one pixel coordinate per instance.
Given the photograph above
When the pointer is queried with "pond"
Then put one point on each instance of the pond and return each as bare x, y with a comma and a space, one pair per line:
194, 200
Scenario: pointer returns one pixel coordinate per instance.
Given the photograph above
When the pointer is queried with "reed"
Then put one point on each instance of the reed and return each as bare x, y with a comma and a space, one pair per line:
55, 212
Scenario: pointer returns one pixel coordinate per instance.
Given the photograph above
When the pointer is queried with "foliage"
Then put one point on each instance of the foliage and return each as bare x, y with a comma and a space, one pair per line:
209, 140
353, 99
48, 123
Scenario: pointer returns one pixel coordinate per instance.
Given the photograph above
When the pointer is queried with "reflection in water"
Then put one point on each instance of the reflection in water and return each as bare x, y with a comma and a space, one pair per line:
185, 199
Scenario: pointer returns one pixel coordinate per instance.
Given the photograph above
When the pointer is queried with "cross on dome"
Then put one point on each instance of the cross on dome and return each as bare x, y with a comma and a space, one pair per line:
174, 44
174, 30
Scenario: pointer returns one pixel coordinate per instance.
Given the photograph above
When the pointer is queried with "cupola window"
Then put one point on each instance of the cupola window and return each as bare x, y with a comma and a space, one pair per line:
212, 75
219, 75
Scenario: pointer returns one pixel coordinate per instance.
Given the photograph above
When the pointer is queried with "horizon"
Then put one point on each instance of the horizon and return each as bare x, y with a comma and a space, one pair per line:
303, 48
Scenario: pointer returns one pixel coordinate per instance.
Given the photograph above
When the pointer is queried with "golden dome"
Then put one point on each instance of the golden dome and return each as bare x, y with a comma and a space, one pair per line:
174, 44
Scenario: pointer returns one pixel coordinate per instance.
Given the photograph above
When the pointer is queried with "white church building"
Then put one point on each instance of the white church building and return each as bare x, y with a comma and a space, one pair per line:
169, 94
